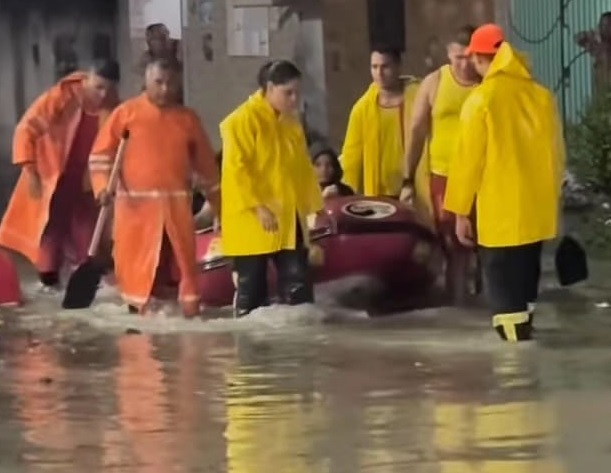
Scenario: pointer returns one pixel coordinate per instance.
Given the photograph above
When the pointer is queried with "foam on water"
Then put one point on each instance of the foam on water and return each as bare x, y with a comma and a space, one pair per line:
109, 313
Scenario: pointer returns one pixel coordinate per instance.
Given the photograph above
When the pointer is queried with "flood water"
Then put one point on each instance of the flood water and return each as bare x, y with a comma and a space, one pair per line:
311, 389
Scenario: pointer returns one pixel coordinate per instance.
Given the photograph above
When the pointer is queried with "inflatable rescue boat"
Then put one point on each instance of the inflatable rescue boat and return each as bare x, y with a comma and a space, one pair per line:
360, 236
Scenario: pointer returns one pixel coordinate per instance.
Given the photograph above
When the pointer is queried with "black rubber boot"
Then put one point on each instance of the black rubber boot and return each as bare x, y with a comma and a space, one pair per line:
49, 279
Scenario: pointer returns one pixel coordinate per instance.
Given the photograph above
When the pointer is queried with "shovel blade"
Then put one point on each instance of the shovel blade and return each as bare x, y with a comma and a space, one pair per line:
83, 285
571, 262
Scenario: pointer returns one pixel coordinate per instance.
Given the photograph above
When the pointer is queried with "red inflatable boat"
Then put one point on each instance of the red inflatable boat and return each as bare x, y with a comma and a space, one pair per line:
374, 237
10, 291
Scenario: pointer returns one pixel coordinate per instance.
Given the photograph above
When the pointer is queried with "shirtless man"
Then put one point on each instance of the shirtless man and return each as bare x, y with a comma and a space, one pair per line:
435, 119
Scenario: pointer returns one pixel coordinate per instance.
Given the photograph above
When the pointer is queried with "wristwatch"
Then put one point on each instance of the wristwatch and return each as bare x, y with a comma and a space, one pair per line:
407, 182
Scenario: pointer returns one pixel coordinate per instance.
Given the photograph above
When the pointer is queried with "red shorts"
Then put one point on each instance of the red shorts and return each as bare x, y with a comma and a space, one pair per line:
445, 221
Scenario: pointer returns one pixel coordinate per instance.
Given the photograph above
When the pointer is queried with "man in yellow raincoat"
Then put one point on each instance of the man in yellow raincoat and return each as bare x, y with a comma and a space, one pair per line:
268, 188
435, 123
375, 143
510, 160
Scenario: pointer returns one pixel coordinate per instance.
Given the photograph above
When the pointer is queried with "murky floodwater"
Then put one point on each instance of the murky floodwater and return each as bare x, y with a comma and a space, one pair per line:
316, 390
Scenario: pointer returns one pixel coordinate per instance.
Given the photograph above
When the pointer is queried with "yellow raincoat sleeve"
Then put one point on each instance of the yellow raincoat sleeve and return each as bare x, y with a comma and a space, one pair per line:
104, 149
466, 168
352, 151
238, 136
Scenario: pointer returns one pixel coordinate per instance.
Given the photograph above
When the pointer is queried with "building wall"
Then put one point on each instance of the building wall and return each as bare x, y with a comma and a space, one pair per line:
217, 86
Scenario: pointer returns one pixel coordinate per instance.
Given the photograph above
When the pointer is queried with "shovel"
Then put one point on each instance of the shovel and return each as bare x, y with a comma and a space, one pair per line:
84, 282
571, 262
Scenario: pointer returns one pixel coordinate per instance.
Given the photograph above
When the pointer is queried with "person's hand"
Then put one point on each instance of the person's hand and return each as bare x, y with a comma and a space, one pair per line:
104, 198
464, 231
407, 195
34, 185
216, 224
330, 191
267, 218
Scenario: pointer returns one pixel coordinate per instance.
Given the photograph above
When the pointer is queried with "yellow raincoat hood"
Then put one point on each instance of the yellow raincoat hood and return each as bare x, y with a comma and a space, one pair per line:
510, 156
509, 61
265, 162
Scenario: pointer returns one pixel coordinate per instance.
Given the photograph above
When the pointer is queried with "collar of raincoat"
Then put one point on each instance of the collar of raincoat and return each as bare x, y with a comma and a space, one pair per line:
259, 101
511, 62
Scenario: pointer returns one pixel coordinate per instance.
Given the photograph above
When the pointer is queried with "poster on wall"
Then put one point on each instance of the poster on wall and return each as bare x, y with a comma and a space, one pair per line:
146, 12
205, 12
248, 31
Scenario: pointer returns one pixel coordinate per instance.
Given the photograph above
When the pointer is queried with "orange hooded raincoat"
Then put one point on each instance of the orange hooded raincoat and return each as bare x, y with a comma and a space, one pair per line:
43, 141
166, 146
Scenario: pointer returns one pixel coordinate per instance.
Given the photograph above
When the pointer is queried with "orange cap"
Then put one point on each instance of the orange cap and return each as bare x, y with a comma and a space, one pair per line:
486, 39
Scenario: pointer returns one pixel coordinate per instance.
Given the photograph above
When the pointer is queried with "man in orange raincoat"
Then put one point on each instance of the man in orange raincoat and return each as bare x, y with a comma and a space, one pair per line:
52, 211
152, 205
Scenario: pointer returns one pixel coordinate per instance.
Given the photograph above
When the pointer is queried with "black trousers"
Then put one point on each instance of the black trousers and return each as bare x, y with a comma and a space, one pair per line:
511, 280
295, 285
511, 276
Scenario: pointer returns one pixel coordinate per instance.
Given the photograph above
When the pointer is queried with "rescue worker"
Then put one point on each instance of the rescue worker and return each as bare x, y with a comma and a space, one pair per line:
268, 190
52, 212
510, 161
328, 171
373, 155
435, 126
152, 208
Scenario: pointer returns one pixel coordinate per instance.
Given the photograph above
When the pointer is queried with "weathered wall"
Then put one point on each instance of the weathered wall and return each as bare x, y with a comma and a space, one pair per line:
215, 87
428, 24
346, 60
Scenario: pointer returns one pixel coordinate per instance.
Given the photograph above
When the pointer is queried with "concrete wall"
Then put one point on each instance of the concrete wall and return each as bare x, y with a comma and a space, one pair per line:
215, 87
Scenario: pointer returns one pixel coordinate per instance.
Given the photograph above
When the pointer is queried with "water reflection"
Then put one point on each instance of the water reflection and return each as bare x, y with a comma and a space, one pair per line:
315, 404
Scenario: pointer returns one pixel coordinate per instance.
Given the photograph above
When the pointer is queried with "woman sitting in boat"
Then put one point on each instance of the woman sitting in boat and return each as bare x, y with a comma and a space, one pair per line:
268, 188
328, 171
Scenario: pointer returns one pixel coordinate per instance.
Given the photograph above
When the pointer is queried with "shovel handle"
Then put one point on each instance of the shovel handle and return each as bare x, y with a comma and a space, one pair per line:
110, 189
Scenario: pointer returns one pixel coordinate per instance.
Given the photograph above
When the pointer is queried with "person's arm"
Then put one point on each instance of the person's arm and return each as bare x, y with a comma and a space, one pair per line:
104, 149
467, 167
34, 124
420, 128
352, 151
203, 159
587, 40
238, 137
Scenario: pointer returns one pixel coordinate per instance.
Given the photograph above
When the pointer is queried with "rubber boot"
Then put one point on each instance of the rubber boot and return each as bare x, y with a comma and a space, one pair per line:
49, 279
515, 327
532, 306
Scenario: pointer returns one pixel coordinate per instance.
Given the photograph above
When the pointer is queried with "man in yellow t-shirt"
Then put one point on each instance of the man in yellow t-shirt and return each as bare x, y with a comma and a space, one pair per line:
435, 120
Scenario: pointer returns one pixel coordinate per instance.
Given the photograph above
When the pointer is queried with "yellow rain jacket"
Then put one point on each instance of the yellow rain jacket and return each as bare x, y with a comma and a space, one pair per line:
265, 162
361, 153
510, 156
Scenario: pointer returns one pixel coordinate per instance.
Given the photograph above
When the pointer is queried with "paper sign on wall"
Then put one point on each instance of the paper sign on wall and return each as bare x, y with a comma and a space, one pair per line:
248, 31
